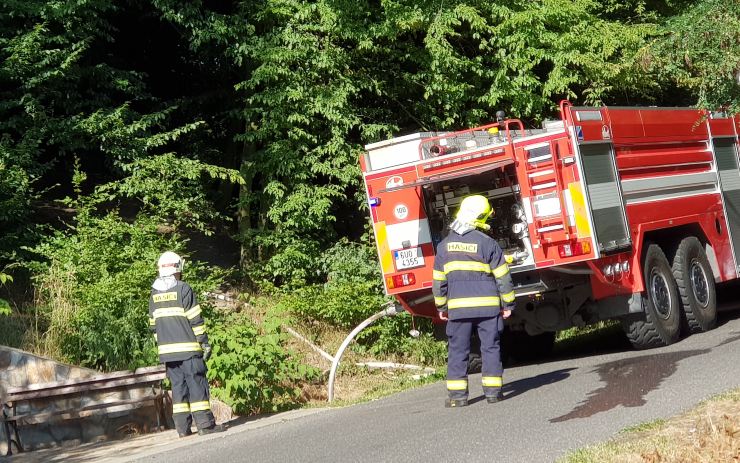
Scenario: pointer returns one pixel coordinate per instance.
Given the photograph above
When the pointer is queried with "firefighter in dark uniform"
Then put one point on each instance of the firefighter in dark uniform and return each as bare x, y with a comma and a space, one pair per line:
178, 327
472, 290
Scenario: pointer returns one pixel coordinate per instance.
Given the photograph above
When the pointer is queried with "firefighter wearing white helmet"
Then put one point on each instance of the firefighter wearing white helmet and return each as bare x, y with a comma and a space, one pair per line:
169, 263
182, 342
472, 290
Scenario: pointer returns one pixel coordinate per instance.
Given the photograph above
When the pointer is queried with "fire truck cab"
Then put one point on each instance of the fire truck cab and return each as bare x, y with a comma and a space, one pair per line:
629, 213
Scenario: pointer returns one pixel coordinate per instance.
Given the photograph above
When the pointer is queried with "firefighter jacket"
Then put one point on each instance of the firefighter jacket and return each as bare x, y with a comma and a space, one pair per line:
471, 277
175, 320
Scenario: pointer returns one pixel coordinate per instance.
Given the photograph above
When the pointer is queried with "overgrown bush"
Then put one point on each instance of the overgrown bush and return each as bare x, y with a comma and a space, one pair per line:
351, 293
391, 337
343, 304
4, 305
352, 290
93, 286
251, 369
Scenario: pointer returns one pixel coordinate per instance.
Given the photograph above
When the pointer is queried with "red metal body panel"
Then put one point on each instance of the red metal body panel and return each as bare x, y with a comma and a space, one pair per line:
702, 210
651, 145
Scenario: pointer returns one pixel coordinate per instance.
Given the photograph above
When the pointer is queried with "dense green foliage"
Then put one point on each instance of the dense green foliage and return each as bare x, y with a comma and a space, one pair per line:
286, 92
251, 370
352, 291
164, 119
93, 286
700, 51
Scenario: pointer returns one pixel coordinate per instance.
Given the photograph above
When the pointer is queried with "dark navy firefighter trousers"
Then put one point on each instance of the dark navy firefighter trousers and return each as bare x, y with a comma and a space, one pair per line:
458, 335
190, 394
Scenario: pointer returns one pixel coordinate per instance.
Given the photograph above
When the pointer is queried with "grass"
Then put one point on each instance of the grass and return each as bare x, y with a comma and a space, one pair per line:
355, 384
38, 326
643, 427
587, 333
708, 433
13, 328
601, 336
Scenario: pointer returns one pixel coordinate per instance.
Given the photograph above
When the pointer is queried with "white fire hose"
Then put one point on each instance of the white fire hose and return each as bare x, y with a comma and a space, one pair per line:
393, 309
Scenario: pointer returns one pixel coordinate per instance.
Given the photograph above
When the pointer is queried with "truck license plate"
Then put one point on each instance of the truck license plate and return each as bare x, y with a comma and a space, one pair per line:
408, 258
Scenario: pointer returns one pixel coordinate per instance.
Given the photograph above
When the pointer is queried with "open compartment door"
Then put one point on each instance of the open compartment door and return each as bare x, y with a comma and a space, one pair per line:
466, 171
604, 195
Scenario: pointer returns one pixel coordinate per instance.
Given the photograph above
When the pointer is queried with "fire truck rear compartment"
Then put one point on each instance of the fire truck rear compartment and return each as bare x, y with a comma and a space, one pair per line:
547, 300
442, 199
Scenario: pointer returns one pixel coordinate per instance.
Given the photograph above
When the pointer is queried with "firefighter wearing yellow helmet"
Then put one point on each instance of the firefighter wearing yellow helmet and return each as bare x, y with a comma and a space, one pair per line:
472, 290
182, 342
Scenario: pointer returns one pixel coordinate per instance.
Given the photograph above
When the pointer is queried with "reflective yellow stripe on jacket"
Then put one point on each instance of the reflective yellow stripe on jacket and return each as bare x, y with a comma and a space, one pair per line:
439, 276
509, 297
466, 265
169, 312
192, 313
198, 330
501, 270
463, 302
179, 347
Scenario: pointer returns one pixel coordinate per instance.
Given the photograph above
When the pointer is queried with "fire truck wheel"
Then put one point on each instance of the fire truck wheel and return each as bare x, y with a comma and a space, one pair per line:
660, 323
695, 282
475, 361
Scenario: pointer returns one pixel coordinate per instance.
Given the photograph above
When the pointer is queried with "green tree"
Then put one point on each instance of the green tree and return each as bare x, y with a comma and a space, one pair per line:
700, 51
322, 78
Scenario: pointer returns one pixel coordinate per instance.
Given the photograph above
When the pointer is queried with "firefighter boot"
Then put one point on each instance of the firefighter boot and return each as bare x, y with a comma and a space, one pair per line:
454, 403
213, 429
492, 399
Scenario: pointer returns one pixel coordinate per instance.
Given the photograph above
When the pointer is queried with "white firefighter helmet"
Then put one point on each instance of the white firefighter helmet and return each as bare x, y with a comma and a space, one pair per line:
169, 264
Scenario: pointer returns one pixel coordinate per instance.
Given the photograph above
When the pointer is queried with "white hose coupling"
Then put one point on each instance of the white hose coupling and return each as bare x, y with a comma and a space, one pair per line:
393, 309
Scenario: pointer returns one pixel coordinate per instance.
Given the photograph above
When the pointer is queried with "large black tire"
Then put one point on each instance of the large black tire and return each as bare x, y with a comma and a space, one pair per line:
475, 360
660, 322
695, 282
475, 363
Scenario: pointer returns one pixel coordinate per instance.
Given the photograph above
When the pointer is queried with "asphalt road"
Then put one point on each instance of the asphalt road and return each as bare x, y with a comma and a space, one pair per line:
576, 399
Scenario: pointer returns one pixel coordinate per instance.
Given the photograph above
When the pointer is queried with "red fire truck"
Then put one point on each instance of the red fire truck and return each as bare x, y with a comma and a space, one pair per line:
629, 213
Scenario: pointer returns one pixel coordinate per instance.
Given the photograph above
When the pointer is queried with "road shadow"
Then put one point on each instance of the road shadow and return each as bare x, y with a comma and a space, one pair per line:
607, 340
523, 385
240, 420
734, 338
515, 388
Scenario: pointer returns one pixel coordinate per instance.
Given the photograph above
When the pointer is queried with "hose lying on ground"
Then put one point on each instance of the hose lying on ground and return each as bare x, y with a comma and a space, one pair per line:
391, 310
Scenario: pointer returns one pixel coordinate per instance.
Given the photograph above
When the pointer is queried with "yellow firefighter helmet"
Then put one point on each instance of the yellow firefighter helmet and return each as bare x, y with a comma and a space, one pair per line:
475, 210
